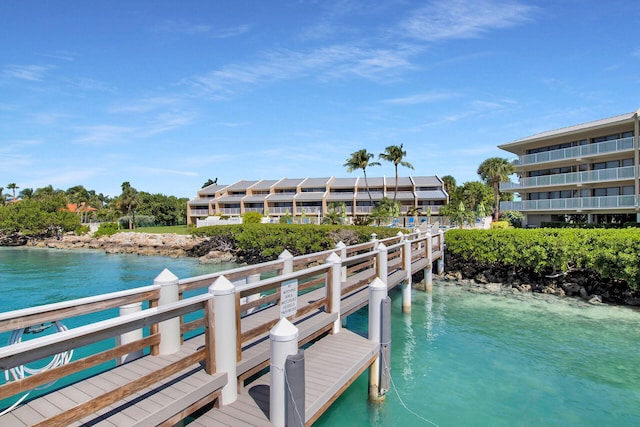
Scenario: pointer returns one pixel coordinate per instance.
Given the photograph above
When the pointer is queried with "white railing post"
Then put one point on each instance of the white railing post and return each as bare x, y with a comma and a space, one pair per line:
382, 261
287, 262
284, 342
406, 285
374, 237
441, 259
253, 297
336, 288
169, 329
377, 293
428, 272
224, 309
343, 255
132, 336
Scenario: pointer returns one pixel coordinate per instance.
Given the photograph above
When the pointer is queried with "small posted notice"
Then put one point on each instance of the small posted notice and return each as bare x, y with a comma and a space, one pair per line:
289, 298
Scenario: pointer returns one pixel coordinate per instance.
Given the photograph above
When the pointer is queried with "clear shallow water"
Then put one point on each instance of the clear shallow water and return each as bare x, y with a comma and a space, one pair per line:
459, 358
468, 359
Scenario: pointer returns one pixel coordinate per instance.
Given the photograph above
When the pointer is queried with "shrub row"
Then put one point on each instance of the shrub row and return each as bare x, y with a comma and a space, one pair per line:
261, 242
612, 254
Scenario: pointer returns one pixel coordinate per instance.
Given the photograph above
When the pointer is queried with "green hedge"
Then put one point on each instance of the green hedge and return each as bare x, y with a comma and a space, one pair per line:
267, 241
613, 254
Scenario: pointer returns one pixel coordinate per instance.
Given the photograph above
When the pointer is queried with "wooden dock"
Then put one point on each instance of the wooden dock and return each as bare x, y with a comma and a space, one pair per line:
163, 389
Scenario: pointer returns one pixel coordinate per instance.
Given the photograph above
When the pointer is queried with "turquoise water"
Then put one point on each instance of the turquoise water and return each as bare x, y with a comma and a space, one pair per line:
469, 359
459, 359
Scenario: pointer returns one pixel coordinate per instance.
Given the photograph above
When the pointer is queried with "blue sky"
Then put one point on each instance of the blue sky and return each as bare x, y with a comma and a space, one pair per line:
167, 94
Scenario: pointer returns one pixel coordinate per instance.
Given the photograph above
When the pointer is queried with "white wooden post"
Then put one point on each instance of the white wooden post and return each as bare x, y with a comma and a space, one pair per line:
406, 285
132, 336
377, 293
253, 297
441, 259
170, 328
428, 272
382, 260
336, 287
374, 237
343, 255
287, 262
224, 308
284, 342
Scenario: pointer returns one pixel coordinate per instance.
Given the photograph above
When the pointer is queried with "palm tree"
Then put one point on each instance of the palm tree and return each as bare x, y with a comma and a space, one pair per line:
361, 159
129, 201
26, 193
14, 187
449, 183
2, 196
395, 154
493, 171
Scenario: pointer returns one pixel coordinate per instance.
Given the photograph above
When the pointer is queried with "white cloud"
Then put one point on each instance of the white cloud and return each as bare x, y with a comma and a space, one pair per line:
103, 134
34, 73
144, 105
421, 98
461, 19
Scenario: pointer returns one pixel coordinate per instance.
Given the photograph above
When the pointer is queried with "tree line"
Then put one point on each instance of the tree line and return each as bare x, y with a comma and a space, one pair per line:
45, 209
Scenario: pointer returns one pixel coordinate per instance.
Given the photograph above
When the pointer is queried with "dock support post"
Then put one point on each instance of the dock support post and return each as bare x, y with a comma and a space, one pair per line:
406, 286
377, 293
382, 260
295, 390
441, 259
428, 272
253, 297
287, 262
169, 329
335, 288
131, 336
224, 309
385, 346
284, 342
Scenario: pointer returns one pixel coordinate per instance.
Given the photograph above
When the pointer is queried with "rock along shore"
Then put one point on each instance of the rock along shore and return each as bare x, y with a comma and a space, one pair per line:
170, 245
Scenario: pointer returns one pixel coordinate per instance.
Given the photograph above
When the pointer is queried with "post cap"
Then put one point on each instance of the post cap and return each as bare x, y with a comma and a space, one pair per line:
285, 255
381, 247
333, 258
166, 277
222, 286
377, 284
340, 245
283, 331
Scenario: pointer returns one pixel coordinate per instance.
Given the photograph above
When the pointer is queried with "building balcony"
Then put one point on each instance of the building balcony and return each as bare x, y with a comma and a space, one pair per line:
574, 205
199, 212
571, 179
230, 211
576, 153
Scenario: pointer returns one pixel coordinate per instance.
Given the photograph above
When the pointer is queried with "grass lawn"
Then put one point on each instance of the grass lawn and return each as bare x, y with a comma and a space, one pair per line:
177, 229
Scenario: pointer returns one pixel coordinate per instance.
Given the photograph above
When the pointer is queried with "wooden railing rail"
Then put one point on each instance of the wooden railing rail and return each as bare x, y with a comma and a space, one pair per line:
19, 319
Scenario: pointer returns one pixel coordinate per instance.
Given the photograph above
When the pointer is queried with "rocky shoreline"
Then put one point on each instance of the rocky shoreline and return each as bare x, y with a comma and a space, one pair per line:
582, 284
145, 244
481, 278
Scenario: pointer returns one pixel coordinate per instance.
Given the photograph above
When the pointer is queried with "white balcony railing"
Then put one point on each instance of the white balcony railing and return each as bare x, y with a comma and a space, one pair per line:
588, 150
572, 204
230, 211
199, 212
585, 177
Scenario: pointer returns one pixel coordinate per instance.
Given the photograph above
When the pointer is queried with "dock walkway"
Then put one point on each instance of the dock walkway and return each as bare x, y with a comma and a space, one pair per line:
159, 389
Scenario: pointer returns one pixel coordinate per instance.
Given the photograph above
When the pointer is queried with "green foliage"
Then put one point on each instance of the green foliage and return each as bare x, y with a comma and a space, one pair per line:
167, 210
613, 254
385, 210
138, 221
38, 217
500, 224
513, 217
251, 218
106, 229
256, 242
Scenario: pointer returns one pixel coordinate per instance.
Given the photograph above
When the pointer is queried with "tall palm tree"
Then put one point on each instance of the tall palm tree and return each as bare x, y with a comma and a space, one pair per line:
493, 171
129, 202
2, 196
395, 154
14, 187
449, 183
361, 159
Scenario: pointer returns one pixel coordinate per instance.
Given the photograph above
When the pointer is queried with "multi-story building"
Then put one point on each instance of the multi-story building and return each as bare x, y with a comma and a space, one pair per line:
314, 196
589, 169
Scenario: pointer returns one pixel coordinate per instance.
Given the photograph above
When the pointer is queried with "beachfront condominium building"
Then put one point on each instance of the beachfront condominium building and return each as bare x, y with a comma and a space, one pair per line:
316, 196
589, 170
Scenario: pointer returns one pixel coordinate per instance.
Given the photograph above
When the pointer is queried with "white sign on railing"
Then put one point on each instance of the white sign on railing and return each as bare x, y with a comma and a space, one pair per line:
288, 298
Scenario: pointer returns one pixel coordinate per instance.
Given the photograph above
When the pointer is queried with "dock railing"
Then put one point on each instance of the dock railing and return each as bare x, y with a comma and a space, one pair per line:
324, 281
